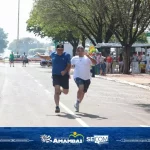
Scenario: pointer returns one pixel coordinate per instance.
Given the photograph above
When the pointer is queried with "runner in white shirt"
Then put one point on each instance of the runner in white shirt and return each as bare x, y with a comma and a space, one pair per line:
82, 75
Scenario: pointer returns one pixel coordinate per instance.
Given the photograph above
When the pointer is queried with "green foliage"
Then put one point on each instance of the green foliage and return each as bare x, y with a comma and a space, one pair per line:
3, 40
25, 44
56, 18
142, 38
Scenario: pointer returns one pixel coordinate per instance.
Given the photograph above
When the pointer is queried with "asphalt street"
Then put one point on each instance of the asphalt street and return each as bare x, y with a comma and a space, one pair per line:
26, 99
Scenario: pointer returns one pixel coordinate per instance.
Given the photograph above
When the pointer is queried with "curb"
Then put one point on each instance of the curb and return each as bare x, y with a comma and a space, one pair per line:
125, 82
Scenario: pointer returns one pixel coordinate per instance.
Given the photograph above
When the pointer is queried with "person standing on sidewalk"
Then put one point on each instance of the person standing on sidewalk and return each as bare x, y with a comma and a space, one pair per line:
11, 59
98, 63
61, 65
93, 66
82, 75
109, 61
121, 63
135, 63
24, 59
102, 64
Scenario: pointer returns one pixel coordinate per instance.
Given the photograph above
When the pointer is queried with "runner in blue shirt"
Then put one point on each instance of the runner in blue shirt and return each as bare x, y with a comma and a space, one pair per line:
61, 64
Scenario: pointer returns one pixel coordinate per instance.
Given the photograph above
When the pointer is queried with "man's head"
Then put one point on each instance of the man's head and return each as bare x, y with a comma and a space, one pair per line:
60, 49
80, 51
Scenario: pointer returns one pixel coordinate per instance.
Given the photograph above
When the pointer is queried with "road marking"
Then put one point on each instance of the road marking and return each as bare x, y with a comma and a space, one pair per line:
36, 81
47, 91
40, 85
81, 122
144, 126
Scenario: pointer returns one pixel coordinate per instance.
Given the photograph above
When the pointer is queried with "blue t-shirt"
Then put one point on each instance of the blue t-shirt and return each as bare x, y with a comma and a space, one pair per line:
59, 63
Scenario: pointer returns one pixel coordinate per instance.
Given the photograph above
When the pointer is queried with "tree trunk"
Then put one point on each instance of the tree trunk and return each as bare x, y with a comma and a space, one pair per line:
127, 49
74, 49
83, 40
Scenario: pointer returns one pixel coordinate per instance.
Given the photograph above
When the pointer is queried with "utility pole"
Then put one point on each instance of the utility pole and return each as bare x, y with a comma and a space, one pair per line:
18, 27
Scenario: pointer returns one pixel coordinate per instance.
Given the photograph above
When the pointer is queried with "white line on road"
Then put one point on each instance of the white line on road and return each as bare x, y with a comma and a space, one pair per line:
75, 116
80, 121
40, 85
144, 126
36, 81
47, 91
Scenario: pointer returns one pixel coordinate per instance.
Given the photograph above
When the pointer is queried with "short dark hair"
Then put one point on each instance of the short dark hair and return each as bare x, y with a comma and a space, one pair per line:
60, 46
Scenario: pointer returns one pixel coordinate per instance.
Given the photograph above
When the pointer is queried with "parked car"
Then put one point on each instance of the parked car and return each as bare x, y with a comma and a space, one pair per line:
47, 63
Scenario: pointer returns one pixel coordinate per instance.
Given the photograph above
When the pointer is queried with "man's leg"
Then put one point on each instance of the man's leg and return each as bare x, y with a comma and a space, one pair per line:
65, 91
107, 67
93, 71
56, 84
64, 84
80, 96
57, 95
80, 93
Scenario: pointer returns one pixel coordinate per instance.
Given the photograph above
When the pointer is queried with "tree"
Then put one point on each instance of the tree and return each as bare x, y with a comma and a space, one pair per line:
34, 51
84, 16
132, 17
25, 44
142, 38
52, 28
3, 40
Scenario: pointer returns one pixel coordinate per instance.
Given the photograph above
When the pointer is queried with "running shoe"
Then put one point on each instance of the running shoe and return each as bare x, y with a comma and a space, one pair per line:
57, 109
76, 106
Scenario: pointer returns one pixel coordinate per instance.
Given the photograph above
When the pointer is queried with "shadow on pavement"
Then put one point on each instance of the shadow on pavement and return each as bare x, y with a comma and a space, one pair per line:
145, 106
90, 116
78, 115
63, 115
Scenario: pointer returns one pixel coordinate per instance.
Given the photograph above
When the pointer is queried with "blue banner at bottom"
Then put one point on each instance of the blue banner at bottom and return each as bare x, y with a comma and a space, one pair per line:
75, 138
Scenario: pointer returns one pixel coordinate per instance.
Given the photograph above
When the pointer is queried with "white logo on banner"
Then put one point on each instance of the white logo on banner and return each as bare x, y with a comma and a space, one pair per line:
99, 139
46, 138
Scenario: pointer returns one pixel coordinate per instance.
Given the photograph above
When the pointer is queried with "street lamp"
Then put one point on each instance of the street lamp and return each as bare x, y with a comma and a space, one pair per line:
17, 43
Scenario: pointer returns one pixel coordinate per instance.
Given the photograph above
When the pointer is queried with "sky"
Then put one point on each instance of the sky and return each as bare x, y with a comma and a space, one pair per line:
9, 16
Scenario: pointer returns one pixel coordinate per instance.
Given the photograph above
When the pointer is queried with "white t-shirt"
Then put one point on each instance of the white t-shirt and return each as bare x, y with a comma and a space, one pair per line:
82, 67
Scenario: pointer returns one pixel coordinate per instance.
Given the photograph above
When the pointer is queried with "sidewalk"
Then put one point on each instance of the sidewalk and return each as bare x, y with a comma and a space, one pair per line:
138, 80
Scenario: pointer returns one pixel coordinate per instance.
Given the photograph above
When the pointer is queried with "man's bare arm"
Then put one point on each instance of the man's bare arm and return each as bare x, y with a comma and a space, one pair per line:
92, 60
44, 56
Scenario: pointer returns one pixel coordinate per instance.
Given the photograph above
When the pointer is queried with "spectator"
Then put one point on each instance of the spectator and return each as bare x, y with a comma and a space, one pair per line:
93, 66
98, 63
102, 64
109, 61
135, 64
121, 63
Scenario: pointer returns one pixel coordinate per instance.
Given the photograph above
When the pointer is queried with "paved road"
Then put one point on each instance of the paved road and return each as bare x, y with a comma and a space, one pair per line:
26, 99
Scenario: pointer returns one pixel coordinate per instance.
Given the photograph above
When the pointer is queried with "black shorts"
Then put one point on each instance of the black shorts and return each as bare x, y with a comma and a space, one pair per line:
25, 61
62, 81
86, 83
